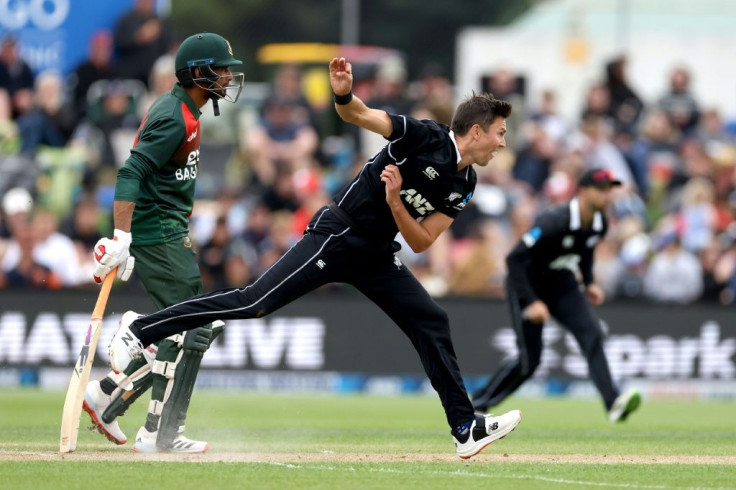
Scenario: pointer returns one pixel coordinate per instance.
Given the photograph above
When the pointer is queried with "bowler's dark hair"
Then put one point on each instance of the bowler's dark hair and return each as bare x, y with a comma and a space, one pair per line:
480, 109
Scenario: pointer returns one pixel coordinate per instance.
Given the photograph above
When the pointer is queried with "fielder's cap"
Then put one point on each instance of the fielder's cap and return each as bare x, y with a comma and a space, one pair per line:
598, 177
205, 48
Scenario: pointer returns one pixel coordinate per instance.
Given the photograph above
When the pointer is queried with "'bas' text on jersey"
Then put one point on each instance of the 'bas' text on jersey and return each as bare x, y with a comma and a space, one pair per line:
165, 162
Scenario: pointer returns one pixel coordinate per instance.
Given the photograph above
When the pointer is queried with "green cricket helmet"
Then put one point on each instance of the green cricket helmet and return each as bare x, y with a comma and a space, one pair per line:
206, 51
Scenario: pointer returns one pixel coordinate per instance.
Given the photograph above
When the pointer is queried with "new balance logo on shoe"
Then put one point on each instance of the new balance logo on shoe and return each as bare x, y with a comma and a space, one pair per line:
484, 430
127, 339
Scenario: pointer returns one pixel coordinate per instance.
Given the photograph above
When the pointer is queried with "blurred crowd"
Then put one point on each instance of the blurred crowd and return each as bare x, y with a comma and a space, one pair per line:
62, 139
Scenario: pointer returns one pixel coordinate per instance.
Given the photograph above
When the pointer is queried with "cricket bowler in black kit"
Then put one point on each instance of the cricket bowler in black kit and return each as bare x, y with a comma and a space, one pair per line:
542, 281
416, 184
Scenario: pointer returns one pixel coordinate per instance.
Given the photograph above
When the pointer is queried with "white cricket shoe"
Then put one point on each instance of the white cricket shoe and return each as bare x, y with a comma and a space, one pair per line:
124, 346
95, 403
623, 405
145, 442
484, 430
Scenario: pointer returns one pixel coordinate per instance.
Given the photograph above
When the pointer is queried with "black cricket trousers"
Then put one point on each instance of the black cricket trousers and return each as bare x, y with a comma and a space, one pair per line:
561, 293
318, 259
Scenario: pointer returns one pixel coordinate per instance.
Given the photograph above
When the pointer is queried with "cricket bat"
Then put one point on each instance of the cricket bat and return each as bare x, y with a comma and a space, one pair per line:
80, 375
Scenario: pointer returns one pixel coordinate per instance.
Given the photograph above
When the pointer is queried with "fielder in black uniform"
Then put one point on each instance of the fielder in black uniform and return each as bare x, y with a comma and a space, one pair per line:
542, 281
417, 184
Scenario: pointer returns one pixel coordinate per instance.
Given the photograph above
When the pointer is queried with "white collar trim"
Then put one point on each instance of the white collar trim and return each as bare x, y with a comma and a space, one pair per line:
597, 221
575, 221
457, 150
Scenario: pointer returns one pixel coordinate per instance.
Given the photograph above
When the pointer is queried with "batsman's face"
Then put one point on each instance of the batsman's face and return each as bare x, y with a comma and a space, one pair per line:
228, 85
223, 82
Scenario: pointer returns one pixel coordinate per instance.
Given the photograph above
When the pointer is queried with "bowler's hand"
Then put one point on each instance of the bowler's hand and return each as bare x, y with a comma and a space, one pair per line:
341, 76
536, 312
392, 178
595, 294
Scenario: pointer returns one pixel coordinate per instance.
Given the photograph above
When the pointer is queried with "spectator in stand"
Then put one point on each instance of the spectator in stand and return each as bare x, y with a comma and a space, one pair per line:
17, 207
161, 80
280, 137
549, 119
626, 106
504, 84
595, 142
310, 196
597, 103
624, 141
279, 240
608, 268
287, 86
636, 247
97, 66
712, 134
434, 92
559, 188
117, 115
49, 248
679, 104
22, 270
6, 106
56, 250
674, 275
713, 286
479, 268
140, 38
239, 264
724, 269
656, 150
212, 256
697, 219
258, 225
84, 227
535, 156
388, 93
281, 196
16, 77
52, 121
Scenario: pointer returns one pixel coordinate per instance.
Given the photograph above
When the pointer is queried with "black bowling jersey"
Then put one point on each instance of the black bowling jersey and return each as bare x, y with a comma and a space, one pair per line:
427, 156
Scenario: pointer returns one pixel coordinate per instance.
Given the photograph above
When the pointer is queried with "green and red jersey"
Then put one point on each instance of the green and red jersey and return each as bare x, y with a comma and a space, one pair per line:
160, 174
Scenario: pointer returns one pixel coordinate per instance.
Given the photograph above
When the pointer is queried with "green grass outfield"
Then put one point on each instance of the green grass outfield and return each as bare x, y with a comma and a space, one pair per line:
345, 442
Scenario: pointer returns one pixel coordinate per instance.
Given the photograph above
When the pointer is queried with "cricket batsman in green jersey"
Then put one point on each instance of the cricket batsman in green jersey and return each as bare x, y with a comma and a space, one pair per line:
154, 195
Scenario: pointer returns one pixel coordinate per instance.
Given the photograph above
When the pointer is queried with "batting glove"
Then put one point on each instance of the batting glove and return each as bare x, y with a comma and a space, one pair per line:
114, 253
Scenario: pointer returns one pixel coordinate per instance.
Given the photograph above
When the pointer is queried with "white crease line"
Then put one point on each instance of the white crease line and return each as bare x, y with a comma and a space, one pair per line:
484, 475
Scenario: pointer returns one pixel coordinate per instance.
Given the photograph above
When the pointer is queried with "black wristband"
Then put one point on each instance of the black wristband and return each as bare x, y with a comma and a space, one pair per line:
342, 99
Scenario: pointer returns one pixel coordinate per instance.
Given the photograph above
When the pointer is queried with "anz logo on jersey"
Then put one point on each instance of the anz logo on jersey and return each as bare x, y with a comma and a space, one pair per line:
421, 205
189, 171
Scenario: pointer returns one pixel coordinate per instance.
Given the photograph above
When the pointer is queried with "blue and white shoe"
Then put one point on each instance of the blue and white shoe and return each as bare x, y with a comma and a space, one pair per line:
484, 430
